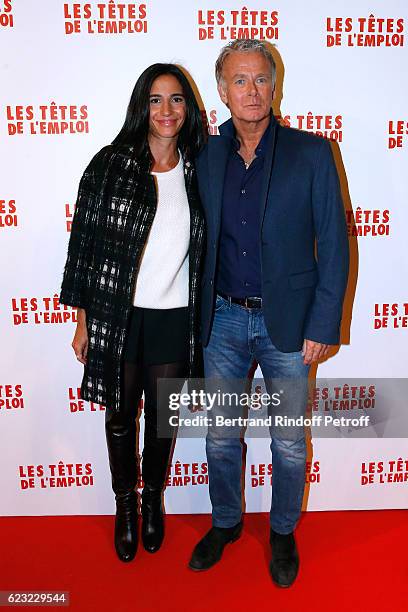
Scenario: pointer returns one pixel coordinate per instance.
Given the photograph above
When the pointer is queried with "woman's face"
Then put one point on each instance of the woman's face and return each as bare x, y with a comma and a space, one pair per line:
167, 107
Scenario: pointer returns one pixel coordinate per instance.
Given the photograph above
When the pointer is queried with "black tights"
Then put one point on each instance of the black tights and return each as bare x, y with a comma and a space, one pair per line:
121, 426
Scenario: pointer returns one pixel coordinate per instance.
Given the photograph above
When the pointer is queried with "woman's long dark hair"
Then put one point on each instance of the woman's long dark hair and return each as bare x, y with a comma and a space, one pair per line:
136, 126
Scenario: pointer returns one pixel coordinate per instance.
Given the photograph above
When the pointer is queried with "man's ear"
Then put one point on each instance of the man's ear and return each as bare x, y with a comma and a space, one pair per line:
222, 92
274, 92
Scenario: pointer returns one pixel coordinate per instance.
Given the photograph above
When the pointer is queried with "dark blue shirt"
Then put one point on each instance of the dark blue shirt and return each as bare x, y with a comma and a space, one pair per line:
239, 263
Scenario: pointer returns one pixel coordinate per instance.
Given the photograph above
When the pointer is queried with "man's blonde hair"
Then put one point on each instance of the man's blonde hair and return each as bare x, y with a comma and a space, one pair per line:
244, 46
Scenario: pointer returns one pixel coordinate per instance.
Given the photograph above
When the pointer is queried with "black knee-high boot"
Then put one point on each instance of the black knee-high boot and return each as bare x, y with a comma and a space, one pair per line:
158, 441
121, 441
156, 455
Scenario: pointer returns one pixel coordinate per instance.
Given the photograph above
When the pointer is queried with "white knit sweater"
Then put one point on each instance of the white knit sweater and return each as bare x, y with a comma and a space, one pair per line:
162, 280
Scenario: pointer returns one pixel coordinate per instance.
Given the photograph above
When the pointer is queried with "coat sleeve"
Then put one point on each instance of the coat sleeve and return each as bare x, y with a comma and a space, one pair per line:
324, 317
77, 266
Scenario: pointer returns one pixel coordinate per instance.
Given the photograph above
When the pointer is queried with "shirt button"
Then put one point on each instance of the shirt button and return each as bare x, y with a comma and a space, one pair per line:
211, 282
244, 253
246, 284
243, 222
242, 191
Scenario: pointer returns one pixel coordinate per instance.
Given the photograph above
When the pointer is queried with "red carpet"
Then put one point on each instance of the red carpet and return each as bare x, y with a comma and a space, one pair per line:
353, 561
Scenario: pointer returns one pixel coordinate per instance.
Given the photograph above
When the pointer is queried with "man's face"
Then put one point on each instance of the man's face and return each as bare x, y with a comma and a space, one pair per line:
246, 86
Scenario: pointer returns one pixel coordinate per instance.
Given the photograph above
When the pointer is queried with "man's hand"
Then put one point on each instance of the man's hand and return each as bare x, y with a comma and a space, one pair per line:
313, 351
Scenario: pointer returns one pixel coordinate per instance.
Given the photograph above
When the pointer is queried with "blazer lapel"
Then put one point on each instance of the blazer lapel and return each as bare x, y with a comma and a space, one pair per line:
268, 165
218, 151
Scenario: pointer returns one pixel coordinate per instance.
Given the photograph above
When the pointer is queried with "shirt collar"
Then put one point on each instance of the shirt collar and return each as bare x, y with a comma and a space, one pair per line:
260, 149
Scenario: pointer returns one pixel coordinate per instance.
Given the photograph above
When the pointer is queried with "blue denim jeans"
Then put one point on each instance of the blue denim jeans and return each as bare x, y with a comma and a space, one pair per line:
238, 337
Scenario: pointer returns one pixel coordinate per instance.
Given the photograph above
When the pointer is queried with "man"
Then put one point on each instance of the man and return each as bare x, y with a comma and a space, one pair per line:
270, 194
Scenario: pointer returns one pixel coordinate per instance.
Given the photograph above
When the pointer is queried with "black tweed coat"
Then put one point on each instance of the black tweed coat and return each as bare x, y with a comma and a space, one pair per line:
114, 212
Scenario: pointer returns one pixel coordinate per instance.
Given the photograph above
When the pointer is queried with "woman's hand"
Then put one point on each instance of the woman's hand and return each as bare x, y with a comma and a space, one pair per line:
80, 341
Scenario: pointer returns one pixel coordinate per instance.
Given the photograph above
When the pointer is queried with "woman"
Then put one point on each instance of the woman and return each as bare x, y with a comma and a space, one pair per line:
132, 271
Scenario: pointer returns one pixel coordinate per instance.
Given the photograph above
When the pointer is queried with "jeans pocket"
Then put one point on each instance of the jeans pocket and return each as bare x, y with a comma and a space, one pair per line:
220, 303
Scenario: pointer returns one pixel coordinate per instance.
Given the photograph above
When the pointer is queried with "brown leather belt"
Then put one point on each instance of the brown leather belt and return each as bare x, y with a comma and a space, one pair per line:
248, 302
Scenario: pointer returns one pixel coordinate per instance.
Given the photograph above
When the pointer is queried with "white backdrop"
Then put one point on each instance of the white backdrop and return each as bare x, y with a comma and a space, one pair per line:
67, 71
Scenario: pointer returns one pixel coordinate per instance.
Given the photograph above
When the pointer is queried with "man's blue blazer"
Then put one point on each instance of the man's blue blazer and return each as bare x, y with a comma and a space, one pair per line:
301, 206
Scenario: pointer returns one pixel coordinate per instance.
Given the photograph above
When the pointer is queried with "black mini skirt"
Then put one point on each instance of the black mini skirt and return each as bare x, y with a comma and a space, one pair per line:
157, 336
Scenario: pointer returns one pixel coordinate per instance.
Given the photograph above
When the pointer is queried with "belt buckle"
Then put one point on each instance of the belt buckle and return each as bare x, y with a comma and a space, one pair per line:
257, 299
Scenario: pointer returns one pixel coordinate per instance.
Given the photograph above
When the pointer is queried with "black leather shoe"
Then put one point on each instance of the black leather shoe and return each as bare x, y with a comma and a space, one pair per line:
126, 526
209, 550
152, 525
285, 560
